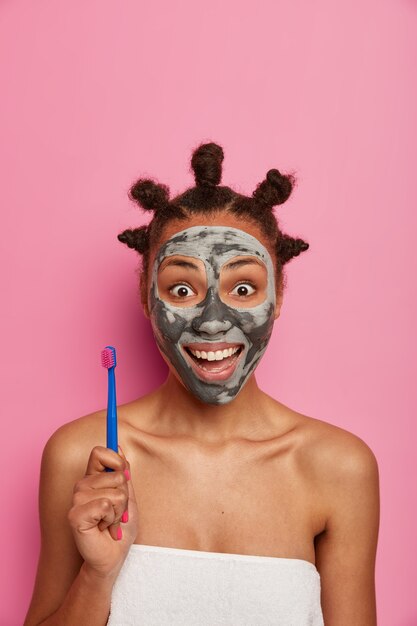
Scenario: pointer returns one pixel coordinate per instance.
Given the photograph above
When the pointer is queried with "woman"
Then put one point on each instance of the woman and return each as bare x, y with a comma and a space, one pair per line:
240, 510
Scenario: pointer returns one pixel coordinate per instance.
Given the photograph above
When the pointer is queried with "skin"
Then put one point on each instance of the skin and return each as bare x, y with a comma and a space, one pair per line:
249, 477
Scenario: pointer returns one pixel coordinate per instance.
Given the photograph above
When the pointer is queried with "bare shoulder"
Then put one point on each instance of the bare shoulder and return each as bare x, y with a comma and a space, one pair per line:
71, 444
333, 453
73, 436
327, 452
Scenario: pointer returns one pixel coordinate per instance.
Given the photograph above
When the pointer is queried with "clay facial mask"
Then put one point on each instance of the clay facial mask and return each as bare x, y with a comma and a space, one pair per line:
216, 337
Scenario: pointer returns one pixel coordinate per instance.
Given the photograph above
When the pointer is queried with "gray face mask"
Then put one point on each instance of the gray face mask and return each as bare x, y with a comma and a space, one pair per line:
212, 321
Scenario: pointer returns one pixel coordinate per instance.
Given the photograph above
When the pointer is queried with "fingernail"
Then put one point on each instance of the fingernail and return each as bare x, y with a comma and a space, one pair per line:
127, 474
119, 533
125, 517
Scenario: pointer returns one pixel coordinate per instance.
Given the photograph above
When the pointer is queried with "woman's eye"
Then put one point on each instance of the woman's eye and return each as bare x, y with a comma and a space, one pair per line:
243, 289
181, 291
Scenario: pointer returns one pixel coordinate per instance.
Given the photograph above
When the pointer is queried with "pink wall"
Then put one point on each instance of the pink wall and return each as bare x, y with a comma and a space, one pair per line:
95, 94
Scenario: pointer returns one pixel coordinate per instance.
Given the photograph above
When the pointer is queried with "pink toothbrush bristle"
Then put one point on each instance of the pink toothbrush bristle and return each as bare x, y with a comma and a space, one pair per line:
107, 358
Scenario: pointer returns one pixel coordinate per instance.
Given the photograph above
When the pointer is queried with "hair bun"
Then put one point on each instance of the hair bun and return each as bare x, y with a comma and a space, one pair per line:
289, 247
275, 189
137, 238
150, 195
207, 164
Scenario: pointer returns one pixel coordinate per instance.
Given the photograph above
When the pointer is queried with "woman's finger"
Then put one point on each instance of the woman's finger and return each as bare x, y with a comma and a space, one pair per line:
101, 457
84, 517
129, 481
100, 513
118, 498
103, 480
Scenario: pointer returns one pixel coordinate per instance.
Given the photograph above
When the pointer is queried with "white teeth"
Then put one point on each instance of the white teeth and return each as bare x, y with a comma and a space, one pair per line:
219, 355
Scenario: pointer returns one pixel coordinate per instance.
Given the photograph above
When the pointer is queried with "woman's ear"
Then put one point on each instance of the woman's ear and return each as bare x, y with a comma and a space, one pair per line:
144, 297
145, 308
280, 295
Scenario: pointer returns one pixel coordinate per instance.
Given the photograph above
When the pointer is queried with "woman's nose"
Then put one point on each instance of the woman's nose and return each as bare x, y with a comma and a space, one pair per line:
211, 321
213, 327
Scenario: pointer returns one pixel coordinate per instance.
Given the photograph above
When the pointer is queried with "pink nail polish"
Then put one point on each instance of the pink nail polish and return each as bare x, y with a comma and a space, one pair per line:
127, 474
125, 517
119, 533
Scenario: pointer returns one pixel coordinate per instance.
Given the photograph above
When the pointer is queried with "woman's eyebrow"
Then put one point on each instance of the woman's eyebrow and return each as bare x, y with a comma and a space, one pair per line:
233, 264
180, 263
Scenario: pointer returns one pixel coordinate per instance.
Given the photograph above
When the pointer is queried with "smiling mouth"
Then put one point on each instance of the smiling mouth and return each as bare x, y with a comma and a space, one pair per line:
215, 361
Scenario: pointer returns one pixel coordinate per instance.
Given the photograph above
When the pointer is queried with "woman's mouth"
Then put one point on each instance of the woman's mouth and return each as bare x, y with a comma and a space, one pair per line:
213, 362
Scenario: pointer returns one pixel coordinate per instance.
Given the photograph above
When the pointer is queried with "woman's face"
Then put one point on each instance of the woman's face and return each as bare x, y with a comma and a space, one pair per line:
212, 303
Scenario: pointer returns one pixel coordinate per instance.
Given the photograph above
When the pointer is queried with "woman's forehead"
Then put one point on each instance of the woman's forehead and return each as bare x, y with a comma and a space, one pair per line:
212, 243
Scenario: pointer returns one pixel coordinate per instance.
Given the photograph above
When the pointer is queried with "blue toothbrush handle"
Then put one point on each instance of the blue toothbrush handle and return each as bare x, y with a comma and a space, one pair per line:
111, 414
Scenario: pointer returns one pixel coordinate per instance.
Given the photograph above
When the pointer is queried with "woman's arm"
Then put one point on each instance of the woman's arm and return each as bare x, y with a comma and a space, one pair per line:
87, 602
67, 589
346, 550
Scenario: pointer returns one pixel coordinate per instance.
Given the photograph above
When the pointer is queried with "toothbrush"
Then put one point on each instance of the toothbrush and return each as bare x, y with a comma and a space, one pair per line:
108, 360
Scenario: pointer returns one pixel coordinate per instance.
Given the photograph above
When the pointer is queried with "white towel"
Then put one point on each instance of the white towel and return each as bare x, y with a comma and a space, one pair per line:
160, 586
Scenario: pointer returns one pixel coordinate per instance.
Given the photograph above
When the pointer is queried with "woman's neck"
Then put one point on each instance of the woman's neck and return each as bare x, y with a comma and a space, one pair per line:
180, 413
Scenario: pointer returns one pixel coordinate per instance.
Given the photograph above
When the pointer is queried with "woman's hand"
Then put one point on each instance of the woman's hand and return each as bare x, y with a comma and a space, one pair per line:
99, 501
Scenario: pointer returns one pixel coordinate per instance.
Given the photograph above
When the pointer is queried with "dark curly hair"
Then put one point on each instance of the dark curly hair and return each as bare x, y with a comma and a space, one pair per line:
209, 198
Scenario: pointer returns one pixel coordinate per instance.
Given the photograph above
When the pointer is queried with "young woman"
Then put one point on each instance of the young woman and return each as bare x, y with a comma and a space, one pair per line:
225, 506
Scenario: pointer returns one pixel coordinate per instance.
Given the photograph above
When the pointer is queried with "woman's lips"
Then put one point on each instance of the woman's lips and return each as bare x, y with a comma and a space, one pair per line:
213, 369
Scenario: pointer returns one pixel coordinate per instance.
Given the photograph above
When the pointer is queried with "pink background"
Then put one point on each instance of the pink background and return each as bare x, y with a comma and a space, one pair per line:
95, 94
